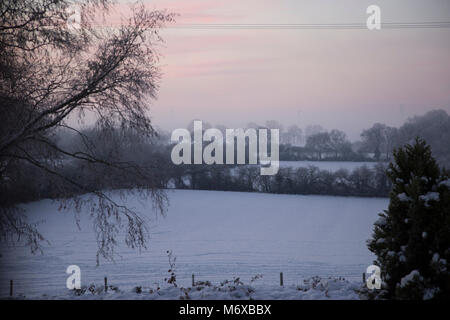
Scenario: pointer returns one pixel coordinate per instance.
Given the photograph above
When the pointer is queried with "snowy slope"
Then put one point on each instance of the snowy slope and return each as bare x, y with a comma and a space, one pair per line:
215, 235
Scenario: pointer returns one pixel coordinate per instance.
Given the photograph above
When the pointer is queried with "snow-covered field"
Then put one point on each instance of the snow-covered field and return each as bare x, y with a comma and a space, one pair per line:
216, 236
327, 165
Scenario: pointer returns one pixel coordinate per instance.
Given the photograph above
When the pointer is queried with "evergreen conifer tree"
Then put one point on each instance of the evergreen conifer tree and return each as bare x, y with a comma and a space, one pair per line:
412, 238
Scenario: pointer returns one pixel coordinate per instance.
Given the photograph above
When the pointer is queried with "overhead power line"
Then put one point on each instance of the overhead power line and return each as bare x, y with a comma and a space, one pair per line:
313, 26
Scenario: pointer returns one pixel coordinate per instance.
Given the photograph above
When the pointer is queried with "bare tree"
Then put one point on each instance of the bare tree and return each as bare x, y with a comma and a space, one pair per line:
51, 72
319, 143
379, 139
434, 127
339, 143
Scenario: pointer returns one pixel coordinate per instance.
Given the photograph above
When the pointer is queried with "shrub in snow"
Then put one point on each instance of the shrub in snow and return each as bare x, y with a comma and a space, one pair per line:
92, 289
172, 279
312, 289
412, 238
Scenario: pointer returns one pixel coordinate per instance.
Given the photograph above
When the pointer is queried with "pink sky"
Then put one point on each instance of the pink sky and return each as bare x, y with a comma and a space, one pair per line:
345, 79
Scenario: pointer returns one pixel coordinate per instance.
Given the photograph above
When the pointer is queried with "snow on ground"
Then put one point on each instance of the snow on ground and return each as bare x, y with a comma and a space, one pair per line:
215, 235
327, 165
310, 289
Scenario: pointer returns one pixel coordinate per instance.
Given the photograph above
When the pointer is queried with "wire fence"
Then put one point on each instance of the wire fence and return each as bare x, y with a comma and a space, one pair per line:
17, 289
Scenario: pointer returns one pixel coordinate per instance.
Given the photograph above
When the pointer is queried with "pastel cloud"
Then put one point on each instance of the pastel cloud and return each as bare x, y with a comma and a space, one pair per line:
239, 76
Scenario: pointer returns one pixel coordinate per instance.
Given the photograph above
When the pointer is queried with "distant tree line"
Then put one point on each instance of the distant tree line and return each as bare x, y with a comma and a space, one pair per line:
362, 182
377, 142
152, 154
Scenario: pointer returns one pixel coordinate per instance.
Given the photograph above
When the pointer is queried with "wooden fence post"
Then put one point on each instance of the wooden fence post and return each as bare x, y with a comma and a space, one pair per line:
11, 288
106, 284
193, 281
281, 278
364, 277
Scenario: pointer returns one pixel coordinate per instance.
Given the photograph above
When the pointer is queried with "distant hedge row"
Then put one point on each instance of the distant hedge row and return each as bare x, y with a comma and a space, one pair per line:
362, 181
